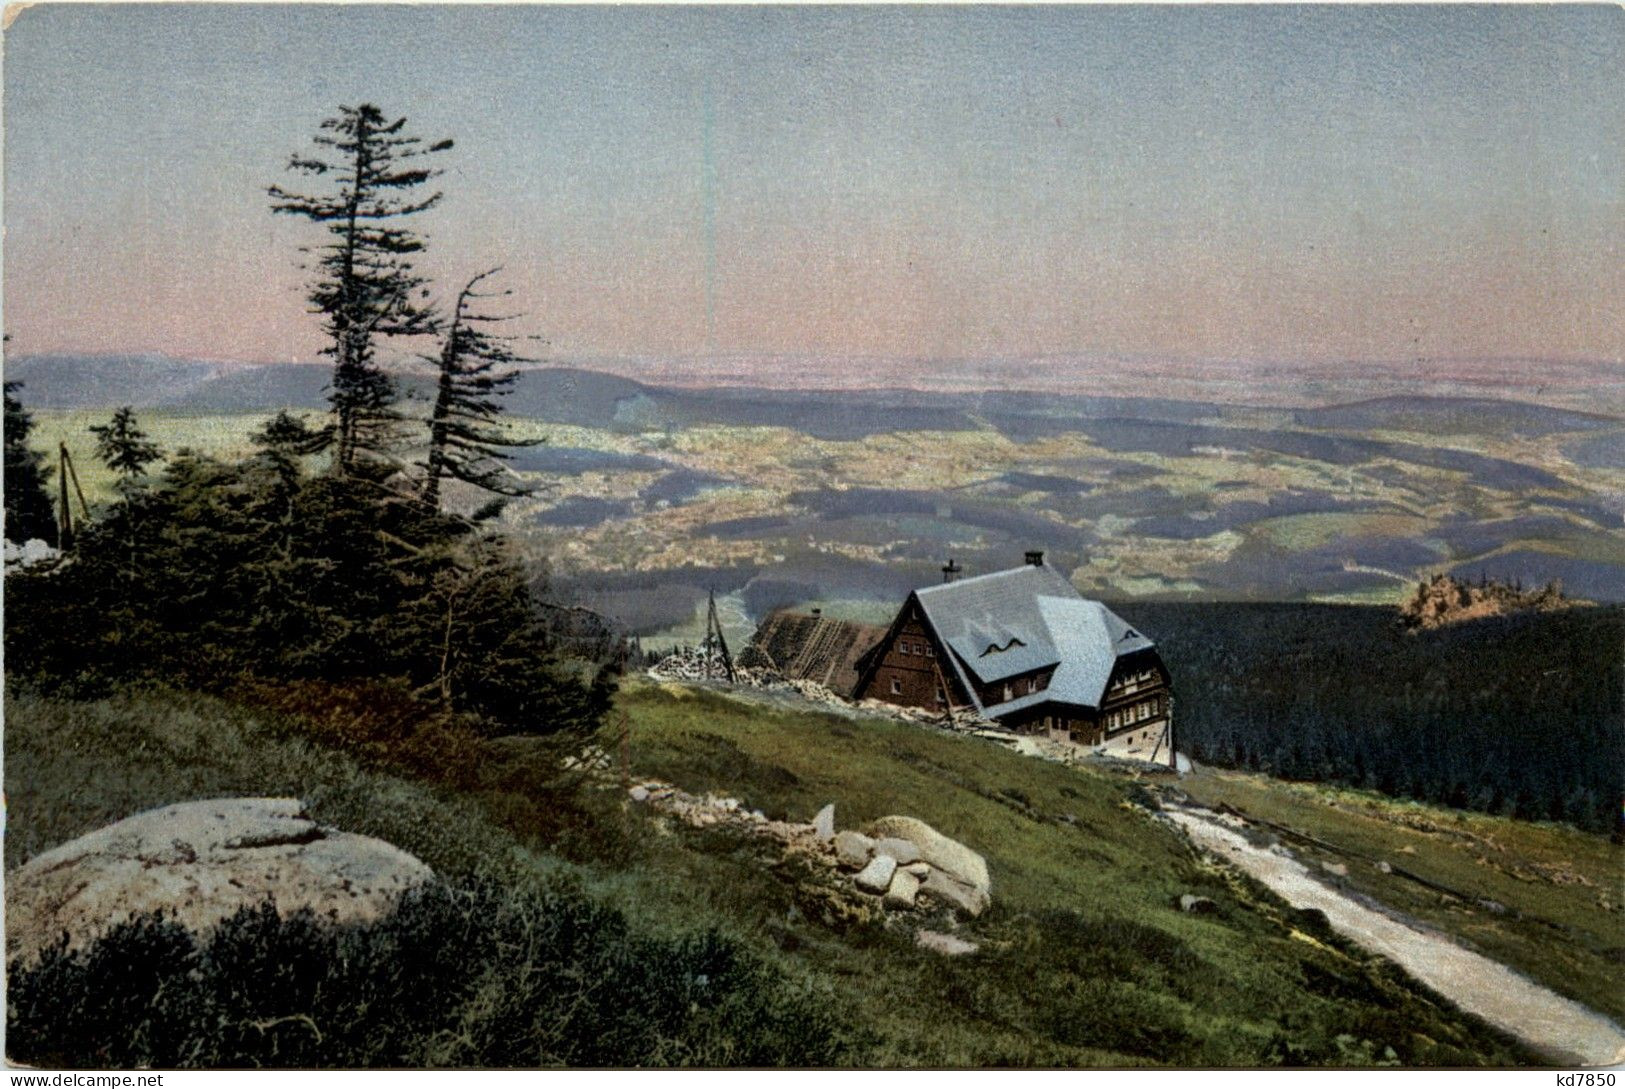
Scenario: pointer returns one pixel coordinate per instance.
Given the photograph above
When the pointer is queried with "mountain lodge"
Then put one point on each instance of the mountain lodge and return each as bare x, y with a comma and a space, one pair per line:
1024, 648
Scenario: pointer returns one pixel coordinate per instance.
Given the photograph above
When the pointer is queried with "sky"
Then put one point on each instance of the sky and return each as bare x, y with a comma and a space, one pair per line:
831, 187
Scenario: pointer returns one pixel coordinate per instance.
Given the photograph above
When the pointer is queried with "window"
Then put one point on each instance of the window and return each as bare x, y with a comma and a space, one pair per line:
902, 647
1007, 694
930, 651
896, 687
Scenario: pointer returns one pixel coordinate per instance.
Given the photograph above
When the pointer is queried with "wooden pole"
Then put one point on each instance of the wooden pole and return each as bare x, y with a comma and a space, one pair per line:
84, 508
626, 753
64, 520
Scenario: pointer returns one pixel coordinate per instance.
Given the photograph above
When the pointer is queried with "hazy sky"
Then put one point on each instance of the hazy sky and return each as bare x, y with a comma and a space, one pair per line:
1282, 183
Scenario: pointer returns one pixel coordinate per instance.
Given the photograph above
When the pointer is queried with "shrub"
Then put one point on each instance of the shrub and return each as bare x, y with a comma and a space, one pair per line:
476, 975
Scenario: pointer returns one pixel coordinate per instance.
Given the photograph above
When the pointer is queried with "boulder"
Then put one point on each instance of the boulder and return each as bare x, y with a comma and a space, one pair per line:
950, 856
904, 887
876, 876
824, 823
852, 849
966, 899
199, 863
946, 944
1197, 905
639, 794
918, 869
900, 849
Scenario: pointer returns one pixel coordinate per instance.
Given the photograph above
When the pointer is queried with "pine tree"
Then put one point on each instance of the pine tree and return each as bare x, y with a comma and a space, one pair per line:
366, 286
465, 442
124, 448
28, 500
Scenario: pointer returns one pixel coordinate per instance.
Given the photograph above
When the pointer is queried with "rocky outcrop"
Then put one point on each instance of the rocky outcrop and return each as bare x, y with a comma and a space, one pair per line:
199, 863
1443, 600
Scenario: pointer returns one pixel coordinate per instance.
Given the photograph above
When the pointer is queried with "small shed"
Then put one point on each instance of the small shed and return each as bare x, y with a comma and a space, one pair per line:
811, 647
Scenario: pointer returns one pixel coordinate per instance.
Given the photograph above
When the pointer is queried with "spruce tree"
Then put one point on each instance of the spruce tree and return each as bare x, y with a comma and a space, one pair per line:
366, 286
28, 500
124, 448
465, 440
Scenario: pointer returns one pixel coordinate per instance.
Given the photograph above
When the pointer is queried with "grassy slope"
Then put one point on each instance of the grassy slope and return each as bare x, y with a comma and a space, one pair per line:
1083, 929
1565, 923
1085, 960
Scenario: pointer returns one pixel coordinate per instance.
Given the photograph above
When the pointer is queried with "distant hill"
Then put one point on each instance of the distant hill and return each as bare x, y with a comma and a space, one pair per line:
269, 386
1453, 415
589, 398
79, 381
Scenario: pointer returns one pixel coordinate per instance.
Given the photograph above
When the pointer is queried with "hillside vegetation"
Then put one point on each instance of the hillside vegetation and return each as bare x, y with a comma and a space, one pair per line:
1085, 959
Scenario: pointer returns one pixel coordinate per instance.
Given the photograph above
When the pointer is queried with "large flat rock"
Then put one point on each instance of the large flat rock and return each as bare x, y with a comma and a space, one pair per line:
199, 863
948, 855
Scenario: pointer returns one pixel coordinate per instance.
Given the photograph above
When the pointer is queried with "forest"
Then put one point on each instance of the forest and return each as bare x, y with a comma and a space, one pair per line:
1518, 715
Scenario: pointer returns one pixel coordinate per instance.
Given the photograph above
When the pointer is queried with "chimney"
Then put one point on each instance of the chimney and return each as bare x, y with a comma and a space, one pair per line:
1035, 559
950, 571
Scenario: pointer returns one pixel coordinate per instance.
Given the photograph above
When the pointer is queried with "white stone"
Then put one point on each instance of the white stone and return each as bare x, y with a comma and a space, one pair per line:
852, 849
964, 898
199, 863
946, 944
900, 849
824, 823
876, 876
918, 869
900, 895
639, 794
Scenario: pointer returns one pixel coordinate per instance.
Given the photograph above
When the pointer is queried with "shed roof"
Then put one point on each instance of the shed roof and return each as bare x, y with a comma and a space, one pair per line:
812, 648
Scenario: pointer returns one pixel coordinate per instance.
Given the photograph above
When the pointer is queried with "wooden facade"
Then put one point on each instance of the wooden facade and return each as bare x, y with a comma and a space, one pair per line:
1031, 654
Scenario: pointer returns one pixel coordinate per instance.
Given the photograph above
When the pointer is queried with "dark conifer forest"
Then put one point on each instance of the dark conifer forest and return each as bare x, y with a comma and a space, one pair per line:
1518, 715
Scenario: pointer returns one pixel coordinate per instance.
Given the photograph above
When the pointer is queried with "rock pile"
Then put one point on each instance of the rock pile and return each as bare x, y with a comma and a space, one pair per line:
903, 861
199, 863
29, 553
699, 664
711, 810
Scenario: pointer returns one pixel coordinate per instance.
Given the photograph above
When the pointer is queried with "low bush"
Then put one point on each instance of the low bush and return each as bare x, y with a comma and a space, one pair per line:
477, 974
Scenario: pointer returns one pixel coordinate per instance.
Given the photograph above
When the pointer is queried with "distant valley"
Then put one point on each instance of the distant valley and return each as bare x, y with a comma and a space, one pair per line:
653, 495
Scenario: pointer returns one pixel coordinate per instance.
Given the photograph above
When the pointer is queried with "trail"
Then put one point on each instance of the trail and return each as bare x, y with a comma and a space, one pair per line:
1546, 1021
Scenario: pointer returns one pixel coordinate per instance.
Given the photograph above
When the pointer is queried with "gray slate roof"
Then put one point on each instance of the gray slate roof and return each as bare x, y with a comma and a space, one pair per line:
1034, 618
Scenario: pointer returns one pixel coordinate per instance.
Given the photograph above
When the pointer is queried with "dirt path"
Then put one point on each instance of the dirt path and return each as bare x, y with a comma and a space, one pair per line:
1561, 1028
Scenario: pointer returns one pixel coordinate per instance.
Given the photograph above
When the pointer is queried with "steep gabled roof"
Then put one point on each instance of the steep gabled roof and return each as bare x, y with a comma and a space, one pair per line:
1034, 619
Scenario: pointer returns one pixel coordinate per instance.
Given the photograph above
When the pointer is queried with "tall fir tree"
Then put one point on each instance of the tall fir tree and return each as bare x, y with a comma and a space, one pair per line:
366, 286
124, 448
28, 500
466, 441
